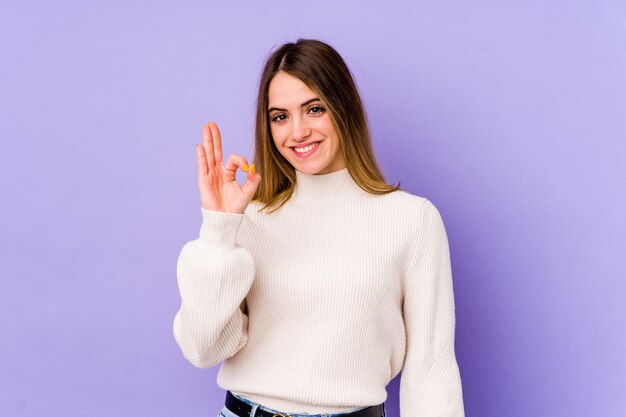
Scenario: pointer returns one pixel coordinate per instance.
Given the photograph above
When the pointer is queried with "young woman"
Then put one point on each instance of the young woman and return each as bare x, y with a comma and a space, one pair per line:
316, 282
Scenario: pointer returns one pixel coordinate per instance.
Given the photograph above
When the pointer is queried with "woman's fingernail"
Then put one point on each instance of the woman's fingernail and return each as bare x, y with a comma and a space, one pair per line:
253, 168
208, 124
245, 167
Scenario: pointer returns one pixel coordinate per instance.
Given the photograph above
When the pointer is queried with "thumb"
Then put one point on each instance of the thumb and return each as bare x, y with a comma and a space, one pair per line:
252, 183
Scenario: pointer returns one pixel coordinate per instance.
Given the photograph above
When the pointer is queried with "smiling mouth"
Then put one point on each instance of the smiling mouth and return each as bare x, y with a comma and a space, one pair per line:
305, 149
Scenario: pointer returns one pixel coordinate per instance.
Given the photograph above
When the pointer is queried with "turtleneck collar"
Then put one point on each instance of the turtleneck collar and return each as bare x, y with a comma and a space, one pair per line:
334, 186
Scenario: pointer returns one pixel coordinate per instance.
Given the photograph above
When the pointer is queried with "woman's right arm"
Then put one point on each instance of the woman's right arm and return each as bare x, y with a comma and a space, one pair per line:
214, 273
214, 276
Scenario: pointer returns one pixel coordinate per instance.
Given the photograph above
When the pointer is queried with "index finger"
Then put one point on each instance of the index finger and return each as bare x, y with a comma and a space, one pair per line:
217, 143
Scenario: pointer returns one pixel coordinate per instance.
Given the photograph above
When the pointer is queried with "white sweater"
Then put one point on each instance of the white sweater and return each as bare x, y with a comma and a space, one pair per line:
316, 307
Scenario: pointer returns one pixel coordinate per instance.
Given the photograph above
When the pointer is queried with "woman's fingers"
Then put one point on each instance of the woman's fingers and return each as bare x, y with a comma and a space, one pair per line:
217, 143
218, 181
252, 182
235, 161
203, 169
252, 179
208, 145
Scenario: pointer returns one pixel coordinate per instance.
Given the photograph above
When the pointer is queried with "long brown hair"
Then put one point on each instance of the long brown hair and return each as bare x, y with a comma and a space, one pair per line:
322, 69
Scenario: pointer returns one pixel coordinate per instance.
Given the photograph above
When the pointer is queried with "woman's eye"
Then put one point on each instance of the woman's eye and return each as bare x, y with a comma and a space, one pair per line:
316, 109
278, 118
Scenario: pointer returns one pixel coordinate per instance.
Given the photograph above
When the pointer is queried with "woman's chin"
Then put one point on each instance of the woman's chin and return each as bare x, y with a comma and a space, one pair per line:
305, 168
310, 169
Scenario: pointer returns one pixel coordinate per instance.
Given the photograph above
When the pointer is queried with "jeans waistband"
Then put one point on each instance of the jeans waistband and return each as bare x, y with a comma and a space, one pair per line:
244, 407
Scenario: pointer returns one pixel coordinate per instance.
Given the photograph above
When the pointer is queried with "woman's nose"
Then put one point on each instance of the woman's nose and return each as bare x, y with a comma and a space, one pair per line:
300, 130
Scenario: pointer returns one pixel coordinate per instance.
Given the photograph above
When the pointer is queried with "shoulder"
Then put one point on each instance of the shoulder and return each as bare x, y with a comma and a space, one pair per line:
415, 218
403, 198
412, 208
417, 203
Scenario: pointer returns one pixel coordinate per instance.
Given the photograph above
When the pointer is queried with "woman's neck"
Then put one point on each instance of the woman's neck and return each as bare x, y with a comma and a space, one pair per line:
334, 186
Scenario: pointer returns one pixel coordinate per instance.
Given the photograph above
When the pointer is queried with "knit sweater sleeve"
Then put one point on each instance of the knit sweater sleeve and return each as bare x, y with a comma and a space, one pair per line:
430, 383
214, 275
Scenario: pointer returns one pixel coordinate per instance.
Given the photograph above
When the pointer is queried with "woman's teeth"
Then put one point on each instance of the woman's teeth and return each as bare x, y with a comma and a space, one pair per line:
306, 148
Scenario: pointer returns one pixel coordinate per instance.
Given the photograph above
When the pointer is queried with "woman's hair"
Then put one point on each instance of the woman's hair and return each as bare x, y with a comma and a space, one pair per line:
323, 70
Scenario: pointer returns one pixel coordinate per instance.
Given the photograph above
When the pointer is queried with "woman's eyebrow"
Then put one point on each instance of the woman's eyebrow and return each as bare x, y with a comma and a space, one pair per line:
301, 105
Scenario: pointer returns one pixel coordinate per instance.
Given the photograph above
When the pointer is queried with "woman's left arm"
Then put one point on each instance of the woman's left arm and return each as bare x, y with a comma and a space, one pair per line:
430, 384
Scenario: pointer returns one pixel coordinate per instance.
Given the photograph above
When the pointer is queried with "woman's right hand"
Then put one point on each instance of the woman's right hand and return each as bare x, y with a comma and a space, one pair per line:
219, 190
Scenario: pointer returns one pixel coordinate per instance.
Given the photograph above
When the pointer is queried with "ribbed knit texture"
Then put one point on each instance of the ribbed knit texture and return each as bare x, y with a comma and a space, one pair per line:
344, 290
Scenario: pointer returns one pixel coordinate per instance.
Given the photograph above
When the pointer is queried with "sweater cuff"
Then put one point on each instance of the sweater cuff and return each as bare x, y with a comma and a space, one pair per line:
219, 227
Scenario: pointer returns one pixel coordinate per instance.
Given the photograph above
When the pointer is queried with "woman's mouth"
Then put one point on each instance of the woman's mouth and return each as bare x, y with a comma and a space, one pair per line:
305, 151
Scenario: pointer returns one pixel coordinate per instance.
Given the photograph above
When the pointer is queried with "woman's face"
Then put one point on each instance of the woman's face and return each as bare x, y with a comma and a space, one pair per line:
301, 127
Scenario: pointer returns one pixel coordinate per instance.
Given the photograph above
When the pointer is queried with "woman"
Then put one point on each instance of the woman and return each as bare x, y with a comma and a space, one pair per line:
316, 282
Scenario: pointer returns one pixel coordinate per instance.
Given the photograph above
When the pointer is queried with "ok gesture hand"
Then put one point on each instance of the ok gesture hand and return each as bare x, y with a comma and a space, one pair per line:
219, 190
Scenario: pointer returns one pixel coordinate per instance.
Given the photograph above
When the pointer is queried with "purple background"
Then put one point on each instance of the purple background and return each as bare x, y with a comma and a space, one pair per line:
510, 118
